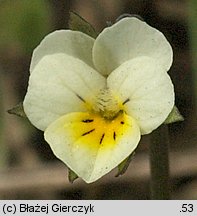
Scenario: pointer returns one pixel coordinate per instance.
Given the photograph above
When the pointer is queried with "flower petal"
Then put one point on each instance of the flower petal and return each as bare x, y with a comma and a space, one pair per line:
72, 43
127, 39
90, 145
146, 91
58, 85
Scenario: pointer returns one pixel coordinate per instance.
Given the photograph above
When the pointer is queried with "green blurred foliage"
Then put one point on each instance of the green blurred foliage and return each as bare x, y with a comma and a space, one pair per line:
23, 23
3, 152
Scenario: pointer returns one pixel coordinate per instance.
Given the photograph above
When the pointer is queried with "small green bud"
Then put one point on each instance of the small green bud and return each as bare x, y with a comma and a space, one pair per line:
77, 23
122, 167
18, 110
72, 176
174, 116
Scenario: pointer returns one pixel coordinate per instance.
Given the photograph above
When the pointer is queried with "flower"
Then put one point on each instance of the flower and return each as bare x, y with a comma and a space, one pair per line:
95, 98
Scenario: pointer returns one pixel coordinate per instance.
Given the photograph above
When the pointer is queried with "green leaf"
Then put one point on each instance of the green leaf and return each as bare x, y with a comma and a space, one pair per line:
77, 23
18, 110
72, 176
174, 116
122, 167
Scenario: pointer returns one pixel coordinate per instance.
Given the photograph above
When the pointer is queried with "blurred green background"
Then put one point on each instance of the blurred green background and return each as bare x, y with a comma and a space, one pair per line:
28, 168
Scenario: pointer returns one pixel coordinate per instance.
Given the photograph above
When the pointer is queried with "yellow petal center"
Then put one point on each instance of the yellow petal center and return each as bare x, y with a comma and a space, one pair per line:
93, 131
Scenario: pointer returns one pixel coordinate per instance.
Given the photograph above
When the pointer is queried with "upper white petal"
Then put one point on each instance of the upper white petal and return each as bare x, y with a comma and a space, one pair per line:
76, 44
148, 88
55, 87
127, 39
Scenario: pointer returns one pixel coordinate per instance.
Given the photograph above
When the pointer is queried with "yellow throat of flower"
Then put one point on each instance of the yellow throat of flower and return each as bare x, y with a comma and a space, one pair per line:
103, 126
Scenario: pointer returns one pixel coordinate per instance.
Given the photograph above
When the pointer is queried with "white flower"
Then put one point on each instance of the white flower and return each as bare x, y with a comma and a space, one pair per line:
95, 98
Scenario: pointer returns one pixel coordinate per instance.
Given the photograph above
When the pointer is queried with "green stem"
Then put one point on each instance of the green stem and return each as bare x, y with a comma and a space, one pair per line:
159, 163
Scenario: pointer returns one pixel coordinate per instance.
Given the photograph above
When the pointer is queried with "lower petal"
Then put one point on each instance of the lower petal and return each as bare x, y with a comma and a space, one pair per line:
90, 145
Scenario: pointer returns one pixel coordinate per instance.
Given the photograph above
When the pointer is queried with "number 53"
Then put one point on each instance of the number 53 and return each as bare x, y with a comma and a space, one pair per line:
187, 208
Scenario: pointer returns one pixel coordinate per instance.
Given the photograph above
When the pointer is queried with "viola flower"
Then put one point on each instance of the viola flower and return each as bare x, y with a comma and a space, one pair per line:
94, 98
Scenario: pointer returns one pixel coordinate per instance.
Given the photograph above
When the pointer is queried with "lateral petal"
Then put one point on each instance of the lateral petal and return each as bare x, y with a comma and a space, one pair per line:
58, 85
145, 90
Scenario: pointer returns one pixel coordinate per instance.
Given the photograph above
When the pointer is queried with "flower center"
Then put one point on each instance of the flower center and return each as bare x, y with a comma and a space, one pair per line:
107, 105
